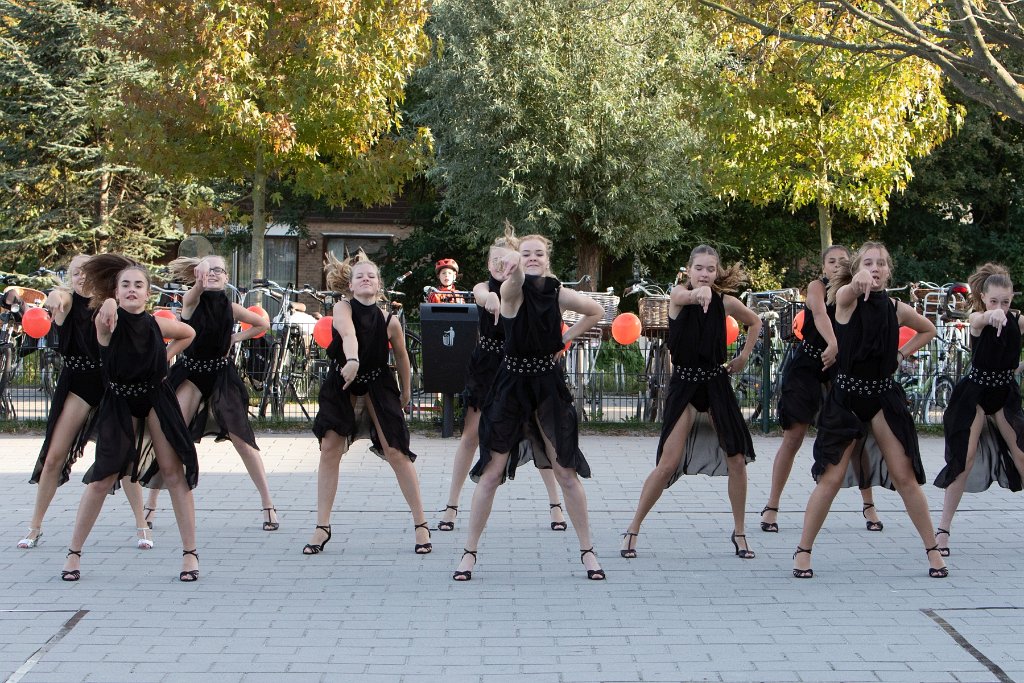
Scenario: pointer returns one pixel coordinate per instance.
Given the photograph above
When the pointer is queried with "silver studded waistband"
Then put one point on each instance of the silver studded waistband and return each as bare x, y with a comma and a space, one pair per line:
530, 366
809, 350
130, 390
698, 374
490, 345
81, 363
864, 387
366, 378
204, 364
990, 378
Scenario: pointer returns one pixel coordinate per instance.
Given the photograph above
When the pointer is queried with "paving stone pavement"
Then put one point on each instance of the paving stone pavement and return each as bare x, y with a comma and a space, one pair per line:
368, 609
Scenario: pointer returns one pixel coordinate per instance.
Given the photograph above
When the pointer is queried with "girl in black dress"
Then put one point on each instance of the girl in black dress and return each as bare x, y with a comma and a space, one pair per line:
704, 431
213, 399
483, 366
75, 400
138, 403
865, 400
984, 423
529, 398
360, 397
808, 374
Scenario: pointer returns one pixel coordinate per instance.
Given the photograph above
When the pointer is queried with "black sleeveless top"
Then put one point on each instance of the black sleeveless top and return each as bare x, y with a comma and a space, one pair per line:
697, 339
371, 334
989, 352
488, 328
212, 320
869, 342
136, 354
537, 328
77, 335
810, 331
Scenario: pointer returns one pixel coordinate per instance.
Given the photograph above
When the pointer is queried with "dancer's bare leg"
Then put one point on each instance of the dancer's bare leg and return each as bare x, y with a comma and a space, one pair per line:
955, 491
172, 472
792, 439
332, 448
819, 504
483, 500
463, 462
88, 510
408, 480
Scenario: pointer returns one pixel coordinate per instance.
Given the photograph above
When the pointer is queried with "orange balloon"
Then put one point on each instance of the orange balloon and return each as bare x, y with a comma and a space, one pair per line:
164, 313
565, 328
36, 322
732, 330
626, 328
322, 331
258, 310
798, 325
906, 334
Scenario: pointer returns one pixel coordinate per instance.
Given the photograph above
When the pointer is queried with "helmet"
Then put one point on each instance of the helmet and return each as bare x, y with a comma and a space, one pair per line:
446, 263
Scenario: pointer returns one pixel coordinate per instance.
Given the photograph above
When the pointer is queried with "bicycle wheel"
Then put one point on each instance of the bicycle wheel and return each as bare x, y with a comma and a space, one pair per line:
50, 364
934, 405
6, 375
297, 373
414, 347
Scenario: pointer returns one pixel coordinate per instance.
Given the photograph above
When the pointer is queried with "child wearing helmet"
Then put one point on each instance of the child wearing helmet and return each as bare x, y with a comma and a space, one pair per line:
447, 269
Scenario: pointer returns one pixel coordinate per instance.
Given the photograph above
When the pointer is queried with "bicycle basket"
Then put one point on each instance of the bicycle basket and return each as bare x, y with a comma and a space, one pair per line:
786, 316
609, 302
654, 312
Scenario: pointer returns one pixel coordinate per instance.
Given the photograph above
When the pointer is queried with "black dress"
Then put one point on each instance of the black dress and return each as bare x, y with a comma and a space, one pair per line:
529, 394
81, 376
696, 341
805, 381
991, 385
135, 370
224, 406
863, 386
375, 382
486, 357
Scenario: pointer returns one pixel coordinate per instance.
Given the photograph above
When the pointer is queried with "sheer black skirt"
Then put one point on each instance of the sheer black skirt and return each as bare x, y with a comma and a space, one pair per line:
224, 406
344, 412
88, 386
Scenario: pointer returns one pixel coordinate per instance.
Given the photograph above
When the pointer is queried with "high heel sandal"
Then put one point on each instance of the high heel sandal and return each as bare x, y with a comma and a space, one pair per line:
871, 526
269, 525
770, 527
592, 574
745, 553
148, 512
144, 542
192, 575
448, 526
629, 552
423, 548
802, 573
27, 542
468, 574
941, 572
943, 550
557, 526
314, 548
71, 574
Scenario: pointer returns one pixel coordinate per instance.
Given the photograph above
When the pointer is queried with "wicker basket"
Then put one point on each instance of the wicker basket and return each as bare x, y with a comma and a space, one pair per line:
609, 302
654, 312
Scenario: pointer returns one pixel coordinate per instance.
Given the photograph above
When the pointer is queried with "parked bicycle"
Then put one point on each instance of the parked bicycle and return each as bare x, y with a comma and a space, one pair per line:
580, 360
653, 307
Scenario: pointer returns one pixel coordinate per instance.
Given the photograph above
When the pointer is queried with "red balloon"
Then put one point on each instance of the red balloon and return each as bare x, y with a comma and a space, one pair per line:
626, 328
164, 313
322, 334
798, 325
732, 330
906, 334
258, 310
565, 328
36, 322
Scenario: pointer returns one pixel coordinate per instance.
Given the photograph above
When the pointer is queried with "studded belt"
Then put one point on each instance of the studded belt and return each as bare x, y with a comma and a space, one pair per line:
698, 374
531, 366
366, 378
990, 378
204, 364
130, 390
810, 350
490, 345
81, 363
864, 387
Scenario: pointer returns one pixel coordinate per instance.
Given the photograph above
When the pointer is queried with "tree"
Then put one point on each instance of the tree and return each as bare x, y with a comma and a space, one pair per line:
305, 92
561, 115
61, 192
978, 44
808, 125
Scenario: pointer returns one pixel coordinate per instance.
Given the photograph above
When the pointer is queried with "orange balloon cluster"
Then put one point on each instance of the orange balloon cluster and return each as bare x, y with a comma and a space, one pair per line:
258, 310
565, 328
322, 331
36, 322
626, 328
798, 325
906, 334
732, 330
164, 313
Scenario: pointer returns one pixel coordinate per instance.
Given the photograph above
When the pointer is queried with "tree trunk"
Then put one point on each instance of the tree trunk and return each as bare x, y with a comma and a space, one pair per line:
588, 261
102, 214
259, 218
824, 225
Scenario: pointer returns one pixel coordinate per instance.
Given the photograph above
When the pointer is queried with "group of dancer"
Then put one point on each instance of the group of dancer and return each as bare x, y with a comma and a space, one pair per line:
117, 389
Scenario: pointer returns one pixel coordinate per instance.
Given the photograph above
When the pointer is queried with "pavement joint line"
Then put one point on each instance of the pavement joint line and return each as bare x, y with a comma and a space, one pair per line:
34, 658
996, 670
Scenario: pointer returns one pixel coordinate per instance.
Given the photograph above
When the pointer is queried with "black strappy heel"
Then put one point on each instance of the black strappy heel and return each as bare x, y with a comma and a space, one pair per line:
193, 574
744, 553
423, 548
314, 548
770, 527
592, 574
871, 526
268, 525
943, 550
802, 573
557, 526
448, 526
72, 574
629, 552
468, 574
941, 572
148, 512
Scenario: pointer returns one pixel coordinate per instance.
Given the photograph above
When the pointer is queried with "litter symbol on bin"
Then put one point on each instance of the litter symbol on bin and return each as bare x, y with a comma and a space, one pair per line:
449, 337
